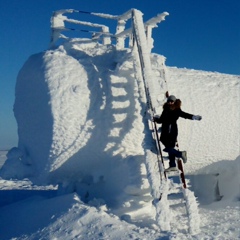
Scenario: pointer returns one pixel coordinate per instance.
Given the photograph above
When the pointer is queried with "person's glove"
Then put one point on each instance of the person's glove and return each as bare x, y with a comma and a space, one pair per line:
156, 117
196, 117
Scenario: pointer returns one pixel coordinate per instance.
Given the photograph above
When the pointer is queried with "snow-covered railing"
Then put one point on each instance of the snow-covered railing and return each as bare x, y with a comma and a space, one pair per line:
59, 20
58, 25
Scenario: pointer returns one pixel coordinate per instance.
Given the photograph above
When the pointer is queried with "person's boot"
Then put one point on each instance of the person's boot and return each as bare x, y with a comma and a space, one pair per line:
184, 156
171, 169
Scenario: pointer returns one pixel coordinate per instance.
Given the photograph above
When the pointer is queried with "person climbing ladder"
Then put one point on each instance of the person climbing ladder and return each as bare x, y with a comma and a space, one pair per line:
169, 131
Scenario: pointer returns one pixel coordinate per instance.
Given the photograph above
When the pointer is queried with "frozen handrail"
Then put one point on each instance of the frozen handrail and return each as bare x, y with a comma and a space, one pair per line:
58, 21
124, 16
153, 21
58, 25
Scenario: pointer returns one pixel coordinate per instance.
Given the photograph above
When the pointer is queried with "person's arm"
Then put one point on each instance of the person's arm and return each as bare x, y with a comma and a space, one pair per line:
159, 119
189, 116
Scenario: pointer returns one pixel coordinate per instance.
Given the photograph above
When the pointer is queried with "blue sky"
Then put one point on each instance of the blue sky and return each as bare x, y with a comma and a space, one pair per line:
200, 34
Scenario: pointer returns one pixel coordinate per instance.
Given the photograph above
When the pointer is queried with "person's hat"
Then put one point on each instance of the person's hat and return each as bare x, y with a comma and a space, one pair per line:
172, 98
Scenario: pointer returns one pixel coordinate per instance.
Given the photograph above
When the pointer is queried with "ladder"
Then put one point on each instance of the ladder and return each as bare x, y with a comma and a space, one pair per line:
191, 204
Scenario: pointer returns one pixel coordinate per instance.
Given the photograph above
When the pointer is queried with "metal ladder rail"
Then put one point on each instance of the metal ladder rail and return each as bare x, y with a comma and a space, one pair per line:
147, 92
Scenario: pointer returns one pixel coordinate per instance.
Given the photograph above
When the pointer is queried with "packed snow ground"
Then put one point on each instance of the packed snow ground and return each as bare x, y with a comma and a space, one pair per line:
82, 173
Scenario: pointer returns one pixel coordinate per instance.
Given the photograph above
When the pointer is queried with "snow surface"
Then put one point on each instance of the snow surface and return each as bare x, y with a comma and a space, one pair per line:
81, 168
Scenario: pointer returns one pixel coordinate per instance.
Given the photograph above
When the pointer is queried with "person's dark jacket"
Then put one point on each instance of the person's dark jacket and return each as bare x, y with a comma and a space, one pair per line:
168, 119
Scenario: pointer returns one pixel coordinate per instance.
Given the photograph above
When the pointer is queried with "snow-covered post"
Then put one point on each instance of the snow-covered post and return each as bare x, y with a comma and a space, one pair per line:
130, 43
192, 210
144, 53
120, 28
58, 25
152, 23
163, 213
149, 37
106, 38
120, 33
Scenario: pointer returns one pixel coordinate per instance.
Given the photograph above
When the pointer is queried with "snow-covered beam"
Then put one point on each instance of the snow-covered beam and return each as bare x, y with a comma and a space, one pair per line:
159, 18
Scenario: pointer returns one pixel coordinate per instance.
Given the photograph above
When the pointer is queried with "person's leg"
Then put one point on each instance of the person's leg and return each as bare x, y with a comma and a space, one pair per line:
172, 162
177, 153
173, 151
